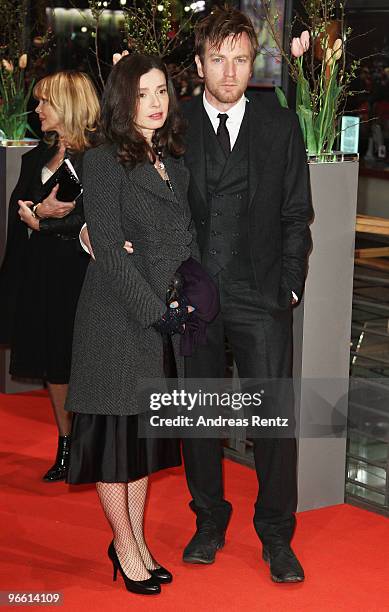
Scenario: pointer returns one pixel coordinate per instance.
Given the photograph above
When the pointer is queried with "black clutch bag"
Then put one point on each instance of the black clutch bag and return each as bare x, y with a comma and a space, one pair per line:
70, 186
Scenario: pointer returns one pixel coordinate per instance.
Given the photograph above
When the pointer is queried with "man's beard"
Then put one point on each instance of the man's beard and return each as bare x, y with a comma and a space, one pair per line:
223, 95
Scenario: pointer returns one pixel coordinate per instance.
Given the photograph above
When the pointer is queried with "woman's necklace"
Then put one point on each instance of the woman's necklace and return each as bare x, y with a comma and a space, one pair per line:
160, 166
56, 165
58, 162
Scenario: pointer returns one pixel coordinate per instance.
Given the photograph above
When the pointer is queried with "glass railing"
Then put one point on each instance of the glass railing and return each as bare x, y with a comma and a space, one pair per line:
367, 473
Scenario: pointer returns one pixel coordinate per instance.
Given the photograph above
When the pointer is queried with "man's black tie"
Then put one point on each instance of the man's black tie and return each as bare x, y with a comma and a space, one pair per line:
223, 135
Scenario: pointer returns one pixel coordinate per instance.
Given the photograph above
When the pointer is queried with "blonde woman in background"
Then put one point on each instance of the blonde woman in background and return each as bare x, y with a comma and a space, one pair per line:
44, 267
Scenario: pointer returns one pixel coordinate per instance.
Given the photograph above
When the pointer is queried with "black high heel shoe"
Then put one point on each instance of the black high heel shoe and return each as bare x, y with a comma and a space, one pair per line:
161, 574
142, 587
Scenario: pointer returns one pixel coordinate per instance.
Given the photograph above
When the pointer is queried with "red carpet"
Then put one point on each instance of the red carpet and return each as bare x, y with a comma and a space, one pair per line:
55, 539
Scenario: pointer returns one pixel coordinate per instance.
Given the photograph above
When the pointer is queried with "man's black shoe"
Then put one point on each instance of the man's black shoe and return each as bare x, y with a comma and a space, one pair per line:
284, 565
205, 543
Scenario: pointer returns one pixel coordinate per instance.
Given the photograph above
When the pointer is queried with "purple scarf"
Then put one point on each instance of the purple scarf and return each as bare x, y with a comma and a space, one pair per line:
202, 293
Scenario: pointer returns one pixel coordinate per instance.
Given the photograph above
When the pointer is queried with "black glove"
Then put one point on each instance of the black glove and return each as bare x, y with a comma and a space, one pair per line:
173, 319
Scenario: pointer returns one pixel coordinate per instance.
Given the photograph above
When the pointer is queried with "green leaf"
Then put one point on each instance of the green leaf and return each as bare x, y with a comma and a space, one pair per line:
281, 97
309, 133
302, 124
327, 116
305, 93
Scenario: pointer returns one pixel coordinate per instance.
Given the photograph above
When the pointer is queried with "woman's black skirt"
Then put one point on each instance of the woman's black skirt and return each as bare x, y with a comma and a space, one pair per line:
106, 448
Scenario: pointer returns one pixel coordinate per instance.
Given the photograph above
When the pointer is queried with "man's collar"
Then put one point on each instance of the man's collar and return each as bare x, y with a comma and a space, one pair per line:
235, 113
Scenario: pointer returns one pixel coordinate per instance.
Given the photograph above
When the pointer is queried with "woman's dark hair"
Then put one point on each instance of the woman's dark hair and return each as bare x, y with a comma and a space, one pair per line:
119, 106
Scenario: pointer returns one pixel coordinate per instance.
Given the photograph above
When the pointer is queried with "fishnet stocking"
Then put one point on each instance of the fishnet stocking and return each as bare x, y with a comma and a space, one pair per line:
114, 499
137, 491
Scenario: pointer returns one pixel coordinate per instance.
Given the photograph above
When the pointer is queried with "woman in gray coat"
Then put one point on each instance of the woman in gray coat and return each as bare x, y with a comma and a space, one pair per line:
134, 188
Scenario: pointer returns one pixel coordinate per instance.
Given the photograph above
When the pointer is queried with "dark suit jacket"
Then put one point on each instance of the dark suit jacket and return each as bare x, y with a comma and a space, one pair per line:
279, 196
17, 232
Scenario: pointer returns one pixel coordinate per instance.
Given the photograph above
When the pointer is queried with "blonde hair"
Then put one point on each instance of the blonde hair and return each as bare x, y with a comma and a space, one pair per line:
73, 97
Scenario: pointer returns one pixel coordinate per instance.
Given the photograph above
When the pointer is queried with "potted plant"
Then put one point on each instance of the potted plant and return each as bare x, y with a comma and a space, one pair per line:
14, 96
20, 54
316, 61
317, 64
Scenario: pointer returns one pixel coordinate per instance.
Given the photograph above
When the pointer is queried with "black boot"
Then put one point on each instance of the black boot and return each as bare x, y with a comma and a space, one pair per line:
59, 470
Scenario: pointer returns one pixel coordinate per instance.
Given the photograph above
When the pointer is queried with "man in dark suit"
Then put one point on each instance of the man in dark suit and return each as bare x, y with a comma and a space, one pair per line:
249, 197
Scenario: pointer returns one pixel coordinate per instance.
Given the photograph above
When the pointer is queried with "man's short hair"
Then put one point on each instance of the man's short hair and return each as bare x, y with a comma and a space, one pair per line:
221, 23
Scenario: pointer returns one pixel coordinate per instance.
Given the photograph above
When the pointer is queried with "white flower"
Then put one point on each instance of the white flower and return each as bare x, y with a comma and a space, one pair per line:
23, 61
8, 65
332, 55
118, 56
